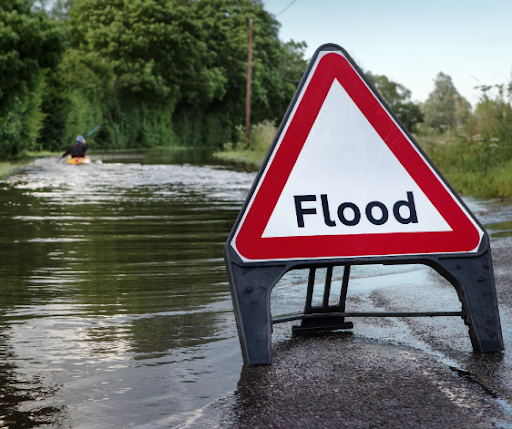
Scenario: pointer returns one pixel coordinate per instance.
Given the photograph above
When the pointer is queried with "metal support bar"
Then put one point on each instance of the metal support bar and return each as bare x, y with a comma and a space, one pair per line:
370, 314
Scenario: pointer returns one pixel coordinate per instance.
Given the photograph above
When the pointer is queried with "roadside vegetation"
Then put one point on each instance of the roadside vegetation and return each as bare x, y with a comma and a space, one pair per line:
472, 148
173, 73
254, 151
152, 72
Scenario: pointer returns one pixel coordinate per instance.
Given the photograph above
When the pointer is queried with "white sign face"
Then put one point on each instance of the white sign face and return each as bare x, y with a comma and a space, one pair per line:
345, 161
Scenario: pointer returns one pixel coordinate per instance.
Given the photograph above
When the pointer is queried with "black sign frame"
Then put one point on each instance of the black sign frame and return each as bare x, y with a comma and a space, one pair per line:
251, 283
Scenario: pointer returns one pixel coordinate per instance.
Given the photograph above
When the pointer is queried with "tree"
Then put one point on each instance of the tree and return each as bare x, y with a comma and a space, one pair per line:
156, 48
173, 71
277, 68
31, 44
293, 64
445, 108
147, 55
398, 97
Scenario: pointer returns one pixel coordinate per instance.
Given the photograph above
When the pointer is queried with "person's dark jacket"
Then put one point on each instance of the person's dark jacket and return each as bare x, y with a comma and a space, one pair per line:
77, 150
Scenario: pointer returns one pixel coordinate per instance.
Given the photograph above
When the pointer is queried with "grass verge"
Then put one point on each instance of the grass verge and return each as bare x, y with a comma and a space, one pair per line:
251, 157
496, 183
254, 151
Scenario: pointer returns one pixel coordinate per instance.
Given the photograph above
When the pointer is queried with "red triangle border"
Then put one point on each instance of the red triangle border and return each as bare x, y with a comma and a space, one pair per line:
465, 236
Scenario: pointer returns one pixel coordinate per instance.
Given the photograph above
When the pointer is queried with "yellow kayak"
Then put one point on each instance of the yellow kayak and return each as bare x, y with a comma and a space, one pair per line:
79, 160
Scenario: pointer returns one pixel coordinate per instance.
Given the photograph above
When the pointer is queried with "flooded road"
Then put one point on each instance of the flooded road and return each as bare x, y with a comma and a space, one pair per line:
114, 303
115, 309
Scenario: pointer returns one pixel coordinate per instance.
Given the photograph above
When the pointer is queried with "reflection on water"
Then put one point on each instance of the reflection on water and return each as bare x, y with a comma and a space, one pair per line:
114, 302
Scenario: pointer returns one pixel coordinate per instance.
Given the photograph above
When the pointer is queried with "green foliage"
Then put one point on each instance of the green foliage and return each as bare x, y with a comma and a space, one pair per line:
261, 136
493, 120
129, 64
126, 70
495, 183
277, 68
445, 108
293, 64
199, 125
155, 48
132, 125
253, 152
30, 44
86, 86
54, 111
476, 156
460, 152
398, 97
173, 71
153, 72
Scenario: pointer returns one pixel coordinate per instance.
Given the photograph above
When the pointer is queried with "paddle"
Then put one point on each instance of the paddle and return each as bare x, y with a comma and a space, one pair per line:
93, 131
87, 135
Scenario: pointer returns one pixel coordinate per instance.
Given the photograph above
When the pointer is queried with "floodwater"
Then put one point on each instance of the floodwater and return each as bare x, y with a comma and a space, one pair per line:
114, 303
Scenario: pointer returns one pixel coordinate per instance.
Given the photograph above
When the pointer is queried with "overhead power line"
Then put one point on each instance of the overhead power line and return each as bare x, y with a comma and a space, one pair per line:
286, 7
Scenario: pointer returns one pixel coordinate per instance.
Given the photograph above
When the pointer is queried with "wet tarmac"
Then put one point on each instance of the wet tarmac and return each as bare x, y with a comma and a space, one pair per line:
385, 373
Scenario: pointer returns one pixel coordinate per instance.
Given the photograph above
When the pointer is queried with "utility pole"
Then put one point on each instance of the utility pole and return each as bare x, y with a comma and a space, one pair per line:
248, 92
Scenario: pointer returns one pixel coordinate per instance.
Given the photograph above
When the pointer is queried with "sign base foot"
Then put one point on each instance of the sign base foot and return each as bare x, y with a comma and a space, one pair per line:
321, 325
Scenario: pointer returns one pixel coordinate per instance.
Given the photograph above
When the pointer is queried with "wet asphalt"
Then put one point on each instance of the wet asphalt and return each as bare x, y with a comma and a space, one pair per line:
385, 373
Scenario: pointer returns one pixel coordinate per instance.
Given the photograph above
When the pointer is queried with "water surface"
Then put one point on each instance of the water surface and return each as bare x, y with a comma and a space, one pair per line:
115, 308
114, 303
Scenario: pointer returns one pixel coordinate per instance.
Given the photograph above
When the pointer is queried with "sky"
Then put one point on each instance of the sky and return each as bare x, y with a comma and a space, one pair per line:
409, 41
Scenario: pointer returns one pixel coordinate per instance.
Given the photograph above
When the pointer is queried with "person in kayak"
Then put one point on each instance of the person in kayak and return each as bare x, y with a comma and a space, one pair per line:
79, 149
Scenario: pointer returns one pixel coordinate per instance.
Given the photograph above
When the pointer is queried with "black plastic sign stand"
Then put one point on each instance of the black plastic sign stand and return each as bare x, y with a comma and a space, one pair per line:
471, 275
260, 250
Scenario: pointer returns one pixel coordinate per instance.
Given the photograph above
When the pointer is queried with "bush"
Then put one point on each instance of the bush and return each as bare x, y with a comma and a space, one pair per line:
261, 136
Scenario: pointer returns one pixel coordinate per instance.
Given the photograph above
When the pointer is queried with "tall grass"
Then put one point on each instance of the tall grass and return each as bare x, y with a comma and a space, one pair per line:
6, 168
253, 151
476, 156
476, 165
261, 137
495, 183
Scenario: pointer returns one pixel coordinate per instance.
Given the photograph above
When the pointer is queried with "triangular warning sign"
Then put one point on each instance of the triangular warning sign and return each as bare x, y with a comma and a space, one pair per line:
344, 180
